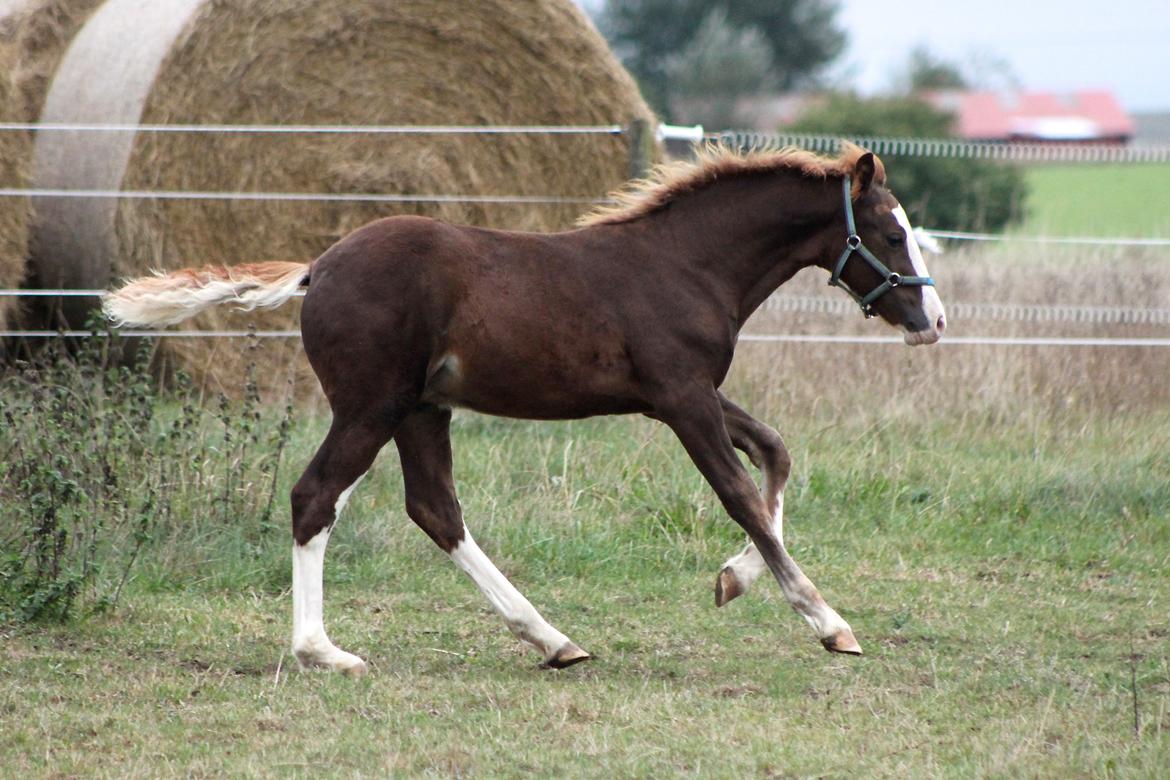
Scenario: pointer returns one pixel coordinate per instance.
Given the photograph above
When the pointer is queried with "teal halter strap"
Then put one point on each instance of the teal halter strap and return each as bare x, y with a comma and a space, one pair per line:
853, 244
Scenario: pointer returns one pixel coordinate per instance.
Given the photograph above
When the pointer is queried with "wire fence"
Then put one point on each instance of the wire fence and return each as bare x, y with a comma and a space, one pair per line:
307, 197
1058, 152
996, 312
1014, 152
783, 303
1011, 151
1004, 341
262, 129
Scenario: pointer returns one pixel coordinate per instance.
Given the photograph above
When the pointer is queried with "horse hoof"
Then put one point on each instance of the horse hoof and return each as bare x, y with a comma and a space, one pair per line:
568, 655
336, 661
354, 670
727, 587
842, 642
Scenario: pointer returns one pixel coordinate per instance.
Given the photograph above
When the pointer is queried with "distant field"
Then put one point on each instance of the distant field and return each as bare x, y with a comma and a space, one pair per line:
1099, 200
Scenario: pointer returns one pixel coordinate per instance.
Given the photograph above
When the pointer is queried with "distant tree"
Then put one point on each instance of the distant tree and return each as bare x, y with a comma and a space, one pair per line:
925, 71
720, 64
651, 35
942, 193
980, 69
989, 70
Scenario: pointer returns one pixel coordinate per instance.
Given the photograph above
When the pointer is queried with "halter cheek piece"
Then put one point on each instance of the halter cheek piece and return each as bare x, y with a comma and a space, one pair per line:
853, 244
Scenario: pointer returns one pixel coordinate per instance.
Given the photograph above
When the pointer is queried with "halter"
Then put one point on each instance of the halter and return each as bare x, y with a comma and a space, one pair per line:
853, 244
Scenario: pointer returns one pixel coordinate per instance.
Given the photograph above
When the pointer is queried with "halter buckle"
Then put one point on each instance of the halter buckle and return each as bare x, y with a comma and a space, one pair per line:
894, 279
853, 242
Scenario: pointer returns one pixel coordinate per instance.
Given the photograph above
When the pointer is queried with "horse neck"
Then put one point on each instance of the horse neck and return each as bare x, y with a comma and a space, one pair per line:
748, 235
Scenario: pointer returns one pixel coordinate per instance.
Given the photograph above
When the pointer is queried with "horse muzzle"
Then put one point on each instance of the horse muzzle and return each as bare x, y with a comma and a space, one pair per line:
928, 335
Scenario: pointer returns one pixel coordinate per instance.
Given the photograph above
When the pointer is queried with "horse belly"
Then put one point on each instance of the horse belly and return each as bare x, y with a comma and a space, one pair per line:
534, 386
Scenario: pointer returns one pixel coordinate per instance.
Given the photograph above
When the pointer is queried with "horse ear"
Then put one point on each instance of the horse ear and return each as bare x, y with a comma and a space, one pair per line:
863, 172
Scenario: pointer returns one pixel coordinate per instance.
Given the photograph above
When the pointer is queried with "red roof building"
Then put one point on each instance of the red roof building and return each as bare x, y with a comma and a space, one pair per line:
1079, 117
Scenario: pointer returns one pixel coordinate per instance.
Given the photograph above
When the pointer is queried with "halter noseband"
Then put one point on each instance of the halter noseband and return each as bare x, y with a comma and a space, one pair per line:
853, 244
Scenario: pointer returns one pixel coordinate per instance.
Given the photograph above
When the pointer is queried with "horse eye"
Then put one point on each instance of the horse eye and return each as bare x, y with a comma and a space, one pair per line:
896, 239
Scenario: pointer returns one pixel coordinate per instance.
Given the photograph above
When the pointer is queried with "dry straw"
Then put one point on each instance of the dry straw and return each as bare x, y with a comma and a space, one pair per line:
352, 62
14, 212
872, 381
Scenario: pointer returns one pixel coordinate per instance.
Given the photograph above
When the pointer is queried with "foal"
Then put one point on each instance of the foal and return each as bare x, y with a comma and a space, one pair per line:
637, 311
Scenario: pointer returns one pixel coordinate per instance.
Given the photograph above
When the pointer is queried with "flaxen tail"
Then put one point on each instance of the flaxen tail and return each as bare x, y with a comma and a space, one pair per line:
167, 298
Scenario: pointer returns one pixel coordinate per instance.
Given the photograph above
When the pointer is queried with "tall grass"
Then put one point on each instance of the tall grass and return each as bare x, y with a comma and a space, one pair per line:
100, 465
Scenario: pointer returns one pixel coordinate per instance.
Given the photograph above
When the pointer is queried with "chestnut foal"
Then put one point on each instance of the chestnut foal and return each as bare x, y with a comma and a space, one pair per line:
637, 311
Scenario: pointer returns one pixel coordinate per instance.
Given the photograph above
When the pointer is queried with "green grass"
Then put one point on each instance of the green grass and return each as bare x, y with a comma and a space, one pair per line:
1099, 200
1007, 578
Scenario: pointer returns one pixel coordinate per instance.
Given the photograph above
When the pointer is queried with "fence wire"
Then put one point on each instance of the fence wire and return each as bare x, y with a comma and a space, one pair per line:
262, 129
782, 303
1005, 341
306, 197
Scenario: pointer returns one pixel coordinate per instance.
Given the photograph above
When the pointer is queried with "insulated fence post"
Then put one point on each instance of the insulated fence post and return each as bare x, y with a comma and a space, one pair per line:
641, 145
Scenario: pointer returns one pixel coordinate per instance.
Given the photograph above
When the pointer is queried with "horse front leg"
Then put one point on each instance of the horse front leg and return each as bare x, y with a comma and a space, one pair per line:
698, 419
766, 450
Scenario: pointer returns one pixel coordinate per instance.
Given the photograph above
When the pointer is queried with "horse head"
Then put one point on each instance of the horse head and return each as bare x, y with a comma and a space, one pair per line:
881, 265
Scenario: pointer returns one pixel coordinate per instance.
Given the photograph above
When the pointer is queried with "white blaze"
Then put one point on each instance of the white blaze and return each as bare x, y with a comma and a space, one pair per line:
932, 306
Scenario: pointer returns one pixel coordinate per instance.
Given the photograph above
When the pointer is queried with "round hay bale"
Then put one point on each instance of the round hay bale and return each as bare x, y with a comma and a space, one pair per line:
15, 151
40, 32
349, 62
33, 37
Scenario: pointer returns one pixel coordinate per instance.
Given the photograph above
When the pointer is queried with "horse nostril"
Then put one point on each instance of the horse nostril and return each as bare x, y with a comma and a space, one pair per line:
941, 325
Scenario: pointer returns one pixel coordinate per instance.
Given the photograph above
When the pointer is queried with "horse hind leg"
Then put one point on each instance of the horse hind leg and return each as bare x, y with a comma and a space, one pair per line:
317, 500
424, 445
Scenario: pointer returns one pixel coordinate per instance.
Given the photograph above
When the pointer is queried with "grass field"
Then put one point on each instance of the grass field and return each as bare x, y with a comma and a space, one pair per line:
1008, 583
1099, 200
991, 521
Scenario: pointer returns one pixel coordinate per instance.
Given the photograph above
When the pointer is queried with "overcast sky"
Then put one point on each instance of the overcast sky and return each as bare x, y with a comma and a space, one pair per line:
1121, 45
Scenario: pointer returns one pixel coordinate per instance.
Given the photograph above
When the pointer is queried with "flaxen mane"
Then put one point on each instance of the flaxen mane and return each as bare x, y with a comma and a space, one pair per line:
670, 180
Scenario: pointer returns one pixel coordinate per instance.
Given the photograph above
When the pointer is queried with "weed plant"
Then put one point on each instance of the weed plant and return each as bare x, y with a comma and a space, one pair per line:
100, 462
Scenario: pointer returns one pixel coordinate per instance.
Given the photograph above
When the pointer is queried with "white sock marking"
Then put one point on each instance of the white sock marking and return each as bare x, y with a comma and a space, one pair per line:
749, 564
310, 643
309, 594
343, 499
522, 618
